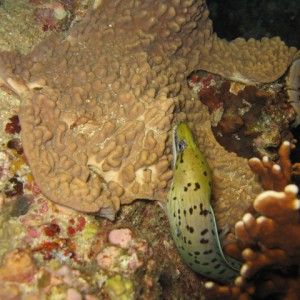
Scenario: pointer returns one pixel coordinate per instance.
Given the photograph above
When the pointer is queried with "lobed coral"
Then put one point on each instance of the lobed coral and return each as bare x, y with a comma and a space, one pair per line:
97, 106
96, 112
65, 245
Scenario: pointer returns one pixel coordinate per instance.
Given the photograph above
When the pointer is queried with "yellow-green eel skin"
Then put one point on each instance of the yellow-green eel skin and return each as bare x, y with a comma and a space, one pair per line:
190, 214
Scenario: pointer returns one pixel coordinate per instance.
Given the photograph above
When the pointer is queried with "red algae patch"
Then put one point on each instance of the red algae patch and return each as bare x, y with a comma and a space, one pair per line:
13, 126
250, 120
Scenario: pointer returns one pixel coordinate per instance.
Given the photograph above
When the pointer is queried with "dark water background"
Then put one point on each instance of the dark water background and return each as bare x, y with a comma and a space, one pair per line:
257, 18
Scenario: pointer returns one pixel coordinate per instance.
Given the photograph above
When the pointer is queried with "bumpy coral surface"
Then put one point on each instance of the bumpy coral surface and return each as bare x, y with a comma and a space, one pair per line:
60, 253
97, 105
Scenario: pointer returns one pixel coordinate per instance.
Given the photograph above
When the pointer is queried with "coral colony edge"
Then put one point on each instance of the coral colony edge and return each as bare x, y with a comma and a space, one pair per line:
97, 106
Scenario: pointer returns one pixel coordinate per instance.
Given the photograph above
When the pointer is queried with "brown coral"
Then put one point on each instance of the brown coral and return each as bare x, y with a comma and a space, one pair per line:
97, 106
274, 176
268, 238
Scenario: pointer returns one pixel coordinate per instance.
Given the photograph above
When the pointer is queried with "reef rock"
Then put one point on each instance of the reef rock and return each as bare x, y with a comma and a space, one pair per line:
97, 105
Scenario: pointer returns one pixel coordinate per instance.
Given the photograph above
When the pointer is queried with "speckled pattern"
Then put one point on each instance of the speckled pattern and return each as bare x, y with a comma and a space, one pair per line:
97, 106
189, 211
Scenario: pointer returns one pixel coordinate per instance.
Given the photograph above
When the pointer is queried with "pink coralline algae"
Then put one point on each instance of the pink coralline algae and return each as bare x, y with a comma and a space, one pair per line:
97, 107
120, 237
125, 252
107, 259
58, 15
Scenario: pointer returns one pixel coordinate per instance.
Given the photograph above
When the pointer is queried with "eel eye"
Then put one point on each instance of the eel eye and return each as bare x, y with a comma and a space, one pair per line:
181, 145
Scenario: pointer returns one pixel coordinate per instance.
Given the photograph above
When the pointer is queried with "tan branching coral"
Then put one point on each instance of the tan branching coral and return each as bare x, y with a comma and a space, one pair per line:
274, 176
97, 106
279, 214
274, 284
269, 239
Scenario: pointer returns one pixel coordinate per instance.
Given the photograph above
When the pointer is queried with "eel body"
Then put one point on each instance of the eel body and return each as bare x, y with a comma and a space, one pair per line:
190, 214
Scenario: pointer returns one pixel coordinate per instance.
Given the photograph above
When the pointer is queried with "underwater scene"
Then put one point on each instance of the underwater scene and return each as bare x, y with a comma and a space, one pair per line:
149, 149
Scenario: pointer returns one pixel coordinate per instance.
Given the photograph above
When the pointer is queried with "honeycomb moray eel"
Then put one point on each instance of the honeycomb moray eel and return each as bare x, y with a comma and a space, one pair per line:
190, 214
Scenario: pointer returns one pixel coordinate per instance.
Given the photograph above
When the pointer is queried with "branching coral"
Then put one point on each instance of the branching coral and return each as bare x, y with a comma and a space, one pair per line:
274, 176
269, 239
96, 110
